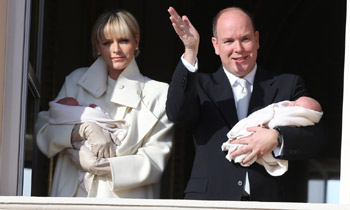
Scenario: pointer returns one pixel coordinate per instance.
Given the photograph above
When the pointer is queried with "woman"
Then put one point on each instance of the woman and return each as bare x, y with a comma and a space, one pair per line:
114, 83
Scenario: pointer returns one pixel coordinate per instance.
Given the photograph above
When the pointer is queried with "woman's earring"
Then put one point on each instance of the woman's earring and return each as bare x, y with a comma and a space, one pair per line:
137, 51
98, 54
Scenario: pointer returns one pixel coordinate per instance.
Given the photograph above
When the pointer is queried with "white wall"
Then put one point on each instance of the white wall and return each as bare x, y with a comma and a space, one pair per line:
12, 96
25, 203
345, 153
3, 19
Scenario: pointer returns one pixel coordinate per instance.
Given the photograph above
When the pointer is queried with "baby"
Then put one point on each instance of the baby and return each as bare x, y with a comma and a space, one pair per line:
304, 111
307, 102
70, 101
69, 111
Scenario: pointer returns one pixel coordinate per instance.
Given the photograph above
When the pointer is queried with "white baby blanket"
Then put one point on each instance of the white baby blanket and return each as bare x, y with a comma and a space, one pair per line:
277, 114
66, 114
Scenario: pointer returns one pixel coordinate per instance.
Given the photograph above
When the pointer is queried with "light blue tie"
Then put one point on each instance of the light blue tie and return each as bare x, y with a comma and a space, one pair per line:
242, 98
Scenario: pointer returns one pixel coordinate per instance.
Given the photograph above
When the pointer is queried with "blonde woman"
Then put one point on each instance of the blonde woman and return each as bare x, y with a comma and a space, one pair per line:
114, 83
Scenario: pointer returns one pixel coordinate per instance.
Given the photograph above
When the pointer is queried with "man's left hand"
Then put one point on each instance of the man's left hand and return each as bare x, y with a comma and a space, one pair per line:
261, 142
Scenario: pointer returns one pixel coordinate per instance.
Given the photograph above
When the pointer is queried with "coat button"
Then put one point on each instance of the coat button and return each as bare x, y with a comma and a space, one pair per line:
239, 183
121, 86
138, 92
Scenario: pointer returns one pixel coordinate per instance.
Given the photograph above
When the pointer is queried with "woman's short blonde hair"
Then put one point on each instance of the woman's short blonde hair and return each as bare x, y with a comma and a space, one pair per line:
114, 24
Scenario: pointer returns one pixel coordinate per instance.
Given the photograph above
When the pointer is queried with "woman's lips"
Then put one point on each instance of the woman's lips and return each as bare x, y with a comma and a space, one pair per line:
117, 58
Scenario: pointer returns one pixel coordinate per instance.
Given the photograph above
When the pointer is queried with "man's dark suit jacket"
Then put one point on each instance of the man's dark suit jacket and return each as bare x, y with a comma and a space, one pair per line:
204, 104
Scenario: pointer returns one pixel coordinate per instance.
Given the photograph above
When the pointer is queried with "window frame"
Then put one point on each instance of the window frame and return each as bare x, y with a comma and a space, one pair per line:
14, 90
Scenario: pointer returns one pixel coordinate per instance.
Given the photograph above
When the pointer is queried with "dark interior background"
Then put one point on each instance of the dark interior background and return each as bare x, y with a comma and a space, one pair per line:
301, 37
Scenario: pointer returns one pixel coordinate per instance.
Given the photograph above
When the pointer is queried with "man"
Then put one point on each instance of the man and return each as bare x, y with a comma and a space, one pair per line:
209, 105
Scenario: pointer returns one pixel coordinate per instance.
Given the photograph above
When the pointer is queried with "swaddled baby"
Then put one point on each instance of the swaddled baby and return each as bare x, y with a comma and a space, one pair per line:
304, 111
69, 111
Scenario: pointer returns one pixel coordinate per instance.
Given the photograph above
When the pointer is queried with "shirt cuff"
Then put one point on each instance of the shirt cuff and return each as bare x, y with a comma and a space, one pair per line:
278, 151
189, 66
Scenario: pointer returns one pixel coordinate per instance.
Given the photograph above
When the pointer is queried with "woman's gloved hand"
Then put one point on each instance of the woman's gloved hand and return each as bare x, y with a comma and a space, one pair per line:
85, 160
100, 139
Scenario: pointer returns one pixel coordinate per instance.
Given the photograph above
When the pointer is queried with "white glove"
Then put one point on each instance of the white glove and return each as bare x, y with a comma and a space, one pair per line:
100, 139
85, 160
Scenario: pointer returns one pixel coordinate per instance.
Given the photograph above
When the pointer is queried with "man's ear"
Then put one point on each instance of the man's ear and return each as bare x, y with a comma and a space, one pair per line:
257, 38
214, 41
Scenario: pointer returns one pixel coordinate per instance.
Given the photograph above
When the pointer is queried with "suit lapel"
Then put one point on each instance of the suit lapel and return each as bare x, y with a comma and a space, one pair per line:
263, 90
221, 94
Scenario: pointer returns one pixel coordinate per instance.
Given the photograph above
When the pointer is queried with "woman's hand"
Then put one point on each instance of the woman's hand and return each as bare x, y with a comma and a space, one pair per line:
100, 139
85, 160
187, 33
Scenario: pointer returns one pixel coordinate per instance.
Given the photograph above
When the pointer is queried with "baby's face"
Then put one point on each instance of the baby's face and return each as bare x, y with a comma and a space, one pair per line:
299, 103
307, 103
293, 103
69, 101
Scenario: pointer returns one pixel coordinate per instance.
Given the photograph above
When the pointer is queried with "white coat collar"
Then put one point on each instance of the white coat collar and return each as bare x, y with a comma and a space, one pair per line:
128, 87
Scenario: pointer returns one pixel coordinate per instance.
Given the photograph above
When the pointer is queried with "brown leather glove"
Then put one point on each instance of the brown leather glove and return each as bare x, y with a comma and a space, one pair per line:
100, 139
85, 160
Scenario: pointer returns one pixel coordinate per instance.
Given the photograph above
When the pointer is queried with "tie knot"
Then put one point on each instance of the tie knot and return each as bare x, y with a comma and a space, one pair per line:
242, 82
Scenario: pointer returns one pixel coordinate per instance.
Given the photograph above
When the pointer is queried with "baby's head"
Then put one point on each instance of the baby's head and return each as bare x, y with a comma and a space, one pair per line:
308, 103
70, 101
